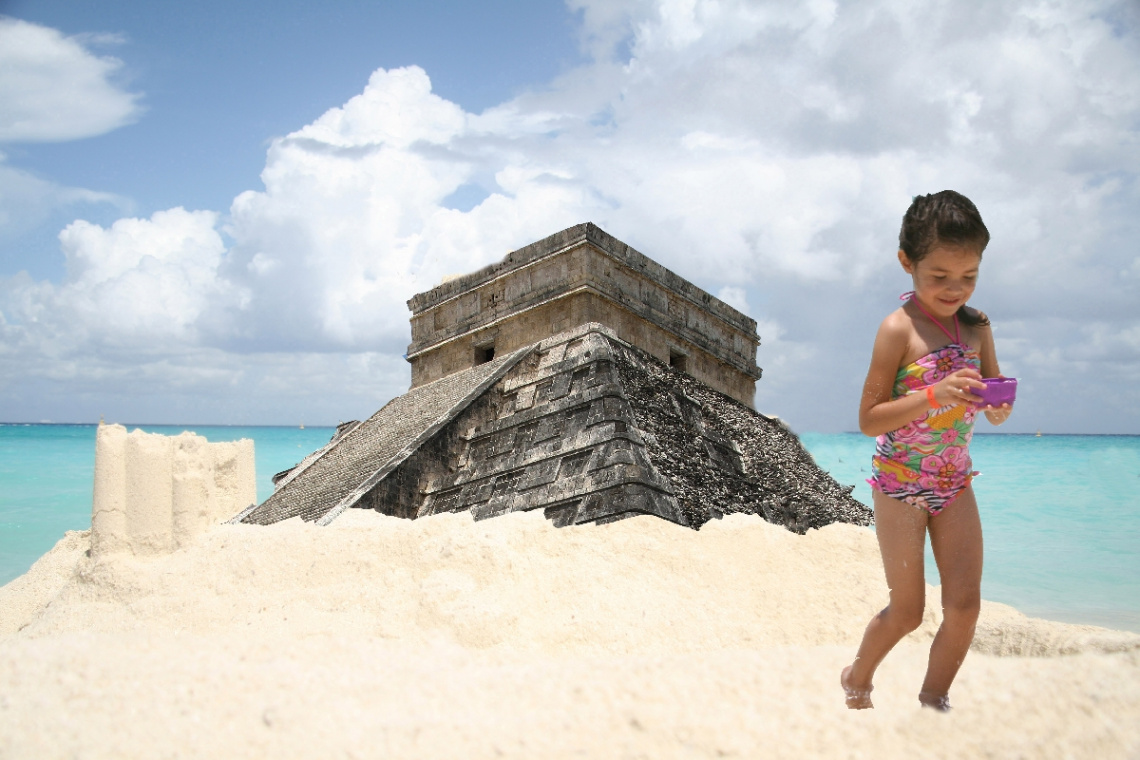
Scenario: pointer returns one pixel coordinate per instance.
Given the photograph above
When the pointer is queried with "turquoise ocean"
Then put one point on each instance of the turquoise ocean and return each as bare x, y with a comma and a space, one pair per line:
1060, 513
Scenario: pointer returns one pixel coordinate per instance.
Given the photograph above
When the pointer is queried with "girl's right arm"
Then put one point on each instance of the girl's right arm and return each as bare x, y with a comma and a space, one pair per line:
878, 413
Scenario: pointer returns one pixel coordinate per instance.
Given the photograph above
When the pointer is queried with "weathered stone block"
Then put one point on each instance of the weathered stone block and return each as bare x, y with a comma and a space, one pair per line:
575, 277
611, 432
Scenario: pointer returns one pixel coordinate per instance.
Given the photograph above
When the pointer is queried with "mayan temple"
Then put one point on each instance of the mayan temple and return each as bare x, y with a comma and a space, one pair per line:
579, 377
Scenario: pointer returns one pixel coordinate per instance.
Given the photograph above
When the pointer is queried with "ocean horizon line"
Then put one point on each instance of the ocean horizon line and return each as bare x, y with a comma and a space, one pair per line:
43, 423
167, 424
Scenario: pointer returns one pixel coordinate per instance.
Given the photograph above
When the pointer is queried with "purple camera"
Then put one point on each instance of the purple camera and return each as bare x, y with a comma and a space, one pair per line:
998, 391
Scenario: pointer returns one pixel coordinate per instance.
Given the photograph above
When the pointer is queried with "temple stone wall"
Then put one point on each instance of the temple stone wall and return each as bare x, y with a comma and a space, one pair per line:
155, 493
578, 377
578, 276
582, 425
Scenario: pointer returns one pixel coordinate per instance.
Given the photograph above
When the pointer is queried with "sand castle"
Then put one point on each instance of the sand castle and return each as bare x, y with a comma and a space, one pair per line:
578, 377
155, 493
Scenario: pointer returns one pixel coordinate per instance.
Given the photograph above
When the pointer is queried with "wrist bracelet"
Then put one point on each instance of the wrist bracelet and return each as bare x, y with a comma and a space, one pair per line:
930, 398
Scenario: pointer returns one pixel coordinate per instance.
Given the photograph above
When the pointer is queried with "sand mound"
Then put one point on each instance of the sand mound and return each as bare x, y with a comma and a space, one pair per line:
443, 637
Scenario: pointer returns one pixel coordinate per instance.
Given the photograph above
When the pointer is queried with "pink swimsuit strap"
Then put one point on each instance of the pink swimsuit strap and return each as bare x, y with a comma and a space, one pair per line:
957, 337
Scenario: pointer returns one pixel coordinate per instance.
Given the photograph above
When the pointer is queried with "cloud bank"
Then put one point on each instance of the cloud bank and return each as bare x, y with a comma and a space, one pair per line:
765, 151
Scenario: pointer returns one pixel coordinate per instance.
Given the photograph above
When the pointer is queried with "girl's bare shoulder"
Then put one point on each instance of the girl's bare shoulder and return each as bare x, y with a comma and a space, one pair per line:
897, 325
894, 338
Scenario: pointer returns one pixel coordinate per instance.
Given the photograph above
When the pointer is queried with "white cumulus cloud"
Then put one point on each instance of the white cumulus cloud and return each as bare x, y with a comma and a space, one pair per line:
137, 288
53, 88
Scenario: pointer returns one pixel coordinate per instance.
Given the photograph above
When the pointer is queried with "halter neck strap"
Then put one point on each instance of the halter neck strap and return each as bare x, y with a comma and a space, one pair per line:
957, 337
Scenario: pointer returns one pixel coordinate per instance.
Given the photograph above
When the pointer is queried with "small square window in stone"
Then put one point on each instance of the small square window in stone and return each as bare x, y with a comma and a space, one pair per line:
679, 360
485, 353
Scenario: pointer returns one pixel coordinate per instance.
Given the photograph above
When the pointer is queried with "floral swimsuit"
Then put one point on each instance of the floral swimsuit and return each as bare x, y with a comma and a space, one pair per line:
927, 462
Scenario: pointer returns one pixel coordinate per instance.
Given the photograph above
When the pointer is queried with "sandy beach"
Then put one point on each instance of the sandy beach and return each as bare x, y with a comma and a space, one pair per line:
444, 637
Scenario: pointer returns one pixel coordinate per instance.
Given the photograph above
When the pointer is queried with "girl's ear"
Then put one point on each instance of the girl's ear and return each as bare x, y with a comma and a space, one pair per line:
907, 266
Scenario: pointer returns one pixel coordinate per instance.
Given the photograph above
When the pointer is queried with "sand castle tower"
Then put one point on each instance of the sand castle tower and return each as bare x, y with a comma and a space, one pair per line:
579, 377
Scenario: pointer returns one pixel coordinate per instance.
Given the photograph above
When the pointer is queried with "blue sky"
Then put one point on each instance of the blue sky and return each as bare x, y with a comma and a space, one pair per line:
217, 80
213, 213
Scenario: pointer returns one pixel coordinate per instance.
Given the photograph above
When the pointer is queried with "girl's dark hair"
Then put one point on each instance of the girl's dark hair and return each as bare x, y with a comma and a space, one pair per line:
949, 218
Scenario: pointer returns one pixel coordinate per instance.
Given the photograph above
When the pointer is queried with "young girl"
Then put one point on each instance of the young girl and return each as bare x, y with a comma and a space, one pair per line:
930, 356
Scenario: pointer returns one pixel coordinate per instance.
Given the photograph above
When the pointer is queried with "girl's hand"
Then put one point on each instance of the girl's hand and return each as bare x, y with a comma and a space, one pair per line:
957, 388
998, 414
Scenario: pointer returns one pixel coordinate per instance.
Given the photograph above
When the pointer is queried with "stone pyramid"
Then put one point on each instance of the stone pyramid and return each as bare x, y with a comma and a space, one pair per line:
582, 425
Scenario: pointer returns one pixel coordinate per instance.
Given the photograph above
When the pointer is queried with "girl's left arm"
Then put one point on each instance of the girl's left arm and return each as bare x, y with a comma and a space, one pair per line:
990, 368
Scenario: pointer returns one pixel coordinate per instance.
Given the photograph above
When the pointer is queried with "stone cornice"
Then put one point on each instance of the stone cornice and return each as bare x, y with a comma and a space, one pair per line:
605, 243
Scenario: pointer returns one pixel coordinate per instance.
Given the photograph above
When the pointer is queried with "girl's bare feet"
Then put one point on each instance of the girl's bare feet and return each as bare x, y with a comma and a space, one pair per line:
939, 702
857, 699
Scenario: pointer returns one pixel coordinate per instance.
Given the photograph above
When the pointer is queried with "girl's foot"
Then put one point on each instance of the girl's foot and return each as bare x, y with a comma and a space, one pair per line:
857, 699
939, 702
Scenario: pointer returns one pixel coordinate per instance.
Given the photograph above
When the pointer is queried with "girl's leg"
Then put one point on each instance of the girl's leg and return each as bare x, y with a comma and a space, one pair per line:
956, 538
901, 530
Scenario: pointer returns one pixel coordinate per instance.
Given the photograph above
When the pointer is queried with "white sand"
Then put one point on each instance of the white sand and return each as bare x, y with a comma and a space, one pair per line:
440, 638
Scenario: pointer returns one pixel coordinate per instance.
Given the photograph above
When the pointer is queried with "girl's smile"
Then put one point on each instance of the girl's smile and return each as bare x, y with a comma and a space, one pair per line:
945, 278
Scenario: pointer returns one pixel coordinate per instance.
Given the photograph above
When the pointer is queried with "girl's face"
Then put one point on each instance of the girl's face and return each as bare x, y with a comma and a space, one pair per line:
945, 278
